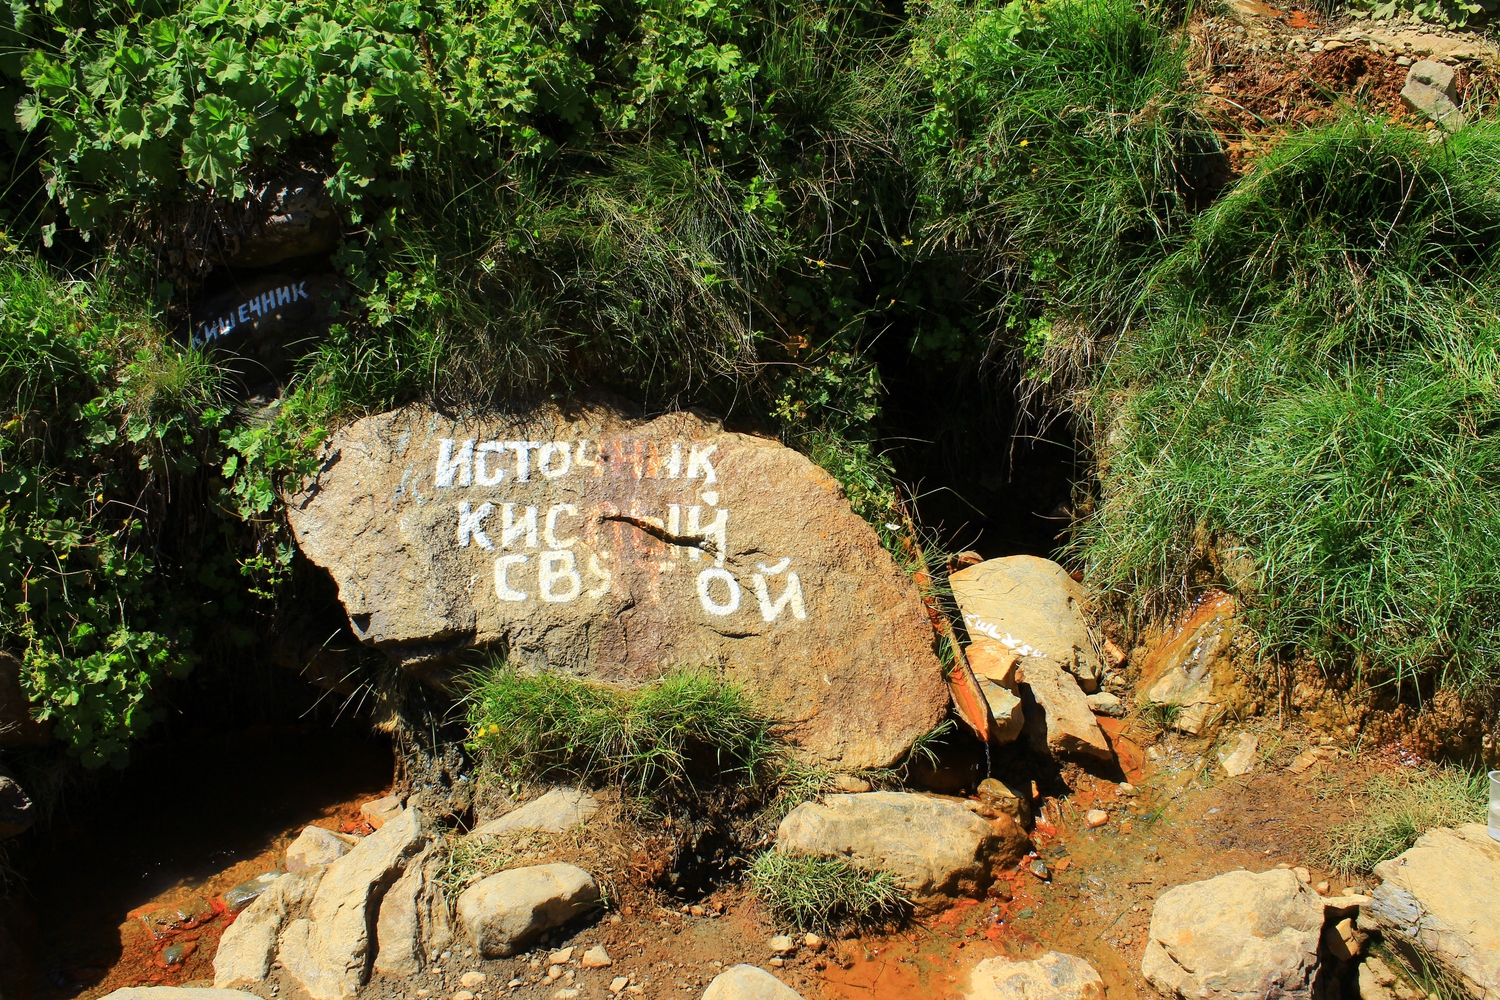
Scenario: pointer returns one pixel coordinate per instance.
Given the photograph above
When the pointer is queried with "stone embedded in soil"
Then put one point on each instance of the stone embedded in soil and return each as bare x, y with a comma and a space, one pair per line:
413, 922
504, 912
1030, 607
850, 784
1095, 818
746, 982
17, 813
472, 980
1438, 898
1237, 936
1054, 976
933, 844
781, 944
613, 547
596, 958
618, 983
177, 993
1059, 721
1429, 90
1238, 758
558, 811
248, 945
330, 950
316, 847
1180, 672
1104, 703
560, 957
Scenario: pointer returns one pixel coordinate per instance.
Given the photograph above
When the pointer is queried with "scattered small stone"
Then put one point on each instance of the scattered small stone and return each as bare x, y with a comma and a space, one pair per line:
1040, 870
1303, 761
554, 972
596, 958
514, 984
1095, 818
813, 942
1239, 757
1303, 875
463, 995
777, 962
697, 911
1323, 888
472, 980
1104, 703
567, 993
245, 893
618, 983
562, 957
1126, 788
782, 944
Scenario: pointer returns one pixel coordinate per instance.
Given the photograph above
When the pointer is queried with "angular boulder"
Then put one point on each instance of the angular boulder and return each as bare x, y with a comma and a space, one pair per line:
746, 982
504, 912
1438, 899
936, 846
1060, 721
1237, 936
1054, 976
1180, 672
558, 811
330, 951
614, 548
413, 921
1029, 608
248, 946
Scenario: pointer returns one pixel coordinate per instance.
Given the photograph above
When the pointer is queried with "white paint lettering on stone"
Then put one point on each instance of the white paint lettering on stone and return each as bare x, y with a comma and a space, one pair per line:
448, 465
511, 529
523, 450
549, 528
599, 572
717, 532
579, 451
792, 595
674, 462
555, 566
705, 592
698, 463
549, 455
503, 589
482, 475
471, 525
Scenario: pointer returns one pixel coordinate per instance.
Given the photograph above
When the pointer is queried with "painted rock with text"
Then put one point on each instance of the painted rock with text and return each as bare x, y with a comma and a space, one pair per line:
616, 548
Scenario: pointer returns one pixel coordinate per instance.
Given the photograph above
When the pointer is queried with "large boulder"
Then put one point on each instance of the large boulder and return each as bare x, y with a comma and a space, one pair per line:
330, 951
935, 845
504, 912
614, 548
1438, 899
248, 946
1054, 976
1181, 671
414, 921
1237, 936
1026, 608
746, 982
558, 811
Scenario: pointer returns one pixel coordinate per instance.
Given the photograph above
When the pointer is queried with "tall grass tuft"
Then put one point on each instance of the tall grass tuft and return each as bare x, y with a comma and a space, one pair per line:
825, 893
1401, 807
1308, 406
689, 729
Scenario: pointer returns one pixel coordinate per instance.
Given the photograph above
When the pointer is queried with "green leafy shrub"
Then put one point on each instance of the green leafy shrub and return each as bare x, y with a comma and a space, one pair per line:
690, 727
1311, 406
824, 893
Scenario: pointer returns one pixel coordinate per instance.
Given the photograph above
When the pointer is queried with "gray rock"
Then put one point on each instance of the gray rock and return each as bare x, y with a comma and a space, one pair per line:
1429, 90
413, 921
1054, 976
17, 813
504, 912
746, 982
1438, 898
1030, 608
177, 993
248, 945
316, 847
558, 811
330, 951
1237, 936
630, 545
1061, 723
934, 845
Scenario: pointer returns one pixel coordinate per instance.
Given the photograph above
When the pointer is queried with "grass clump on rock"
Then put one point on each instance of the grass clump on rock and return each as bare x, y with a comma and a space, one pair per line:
1400, 808
690, 727
815, 892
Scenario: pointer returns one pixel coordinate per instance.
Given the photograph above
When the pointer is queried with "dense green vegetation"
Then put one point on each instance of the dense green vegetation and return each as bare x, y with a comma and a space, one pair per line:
1287, 379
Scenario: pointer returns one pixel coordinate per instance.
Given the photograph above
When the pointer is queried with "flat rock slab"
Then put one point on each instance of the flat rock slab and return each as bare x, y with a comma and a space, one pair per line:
1054, 976
558, 811
616, 548
934, 845
1439, 898
1237, 936
177, 993
503, 913
1030, 608
746, 982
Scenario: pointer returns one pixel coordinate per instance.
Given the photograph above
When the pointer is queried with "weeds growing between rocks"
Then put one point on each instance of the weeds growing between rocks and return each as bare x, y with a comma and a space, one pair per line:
822, 893
1401, 807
